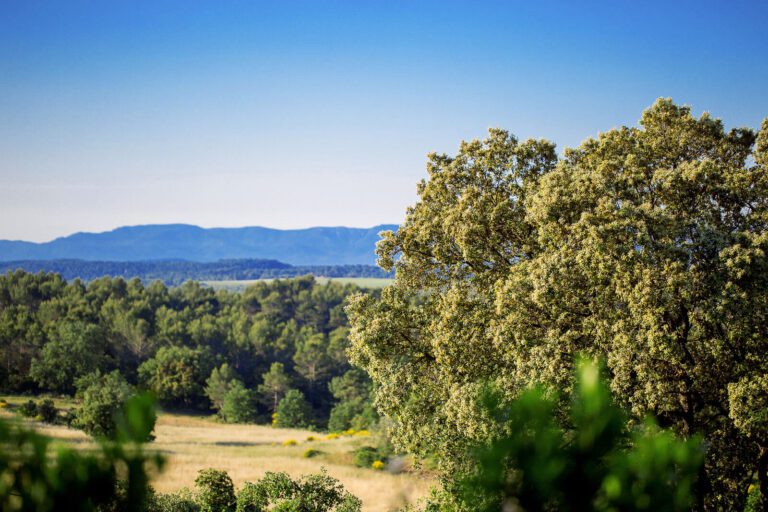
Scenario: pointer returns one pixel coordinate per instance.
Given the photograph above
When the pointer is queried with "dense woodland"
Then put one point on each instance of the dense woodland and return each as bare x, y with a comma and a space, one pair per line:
176, 272
189, 345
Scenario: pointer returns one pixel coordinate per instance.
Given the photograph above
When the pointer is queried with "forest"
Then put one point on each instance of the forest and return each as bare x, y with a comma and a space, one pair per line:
194, 348
583, 331
176, 272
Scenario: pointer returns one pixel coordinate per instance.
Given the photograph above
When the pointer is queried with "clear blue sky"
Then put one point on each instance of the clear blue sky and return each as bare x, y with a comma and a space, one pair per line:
292, 114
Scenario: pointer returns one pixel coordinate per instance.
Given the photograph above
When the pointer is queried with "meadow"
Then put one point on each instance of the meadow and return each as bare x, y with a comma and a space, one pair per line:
190, 443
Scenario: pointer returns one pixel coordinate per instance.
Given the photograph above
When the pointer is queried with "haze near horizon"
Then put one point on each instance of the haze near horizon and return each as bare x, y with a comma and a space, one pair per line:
298, 114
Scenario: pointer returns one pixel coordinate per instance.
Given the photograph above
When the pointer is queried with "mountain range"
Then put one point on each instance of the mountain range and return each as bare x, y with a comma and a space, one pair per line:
311, 246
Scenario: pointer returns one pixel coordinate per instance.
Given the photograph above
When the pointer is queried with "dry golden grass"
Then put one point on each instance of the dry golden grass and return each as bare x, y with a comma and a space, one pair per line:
246, 452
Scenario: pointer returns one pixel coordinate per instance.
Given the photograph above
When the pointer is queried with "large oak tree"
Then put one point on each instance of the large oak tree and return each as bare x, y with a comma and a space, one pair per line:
646, 247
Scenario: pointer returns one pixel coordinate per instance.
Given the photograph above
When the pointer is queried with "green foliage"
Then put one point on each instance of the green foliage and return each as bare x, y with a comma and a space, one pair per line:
35, 478
239, 404
103, 398
174, 273
47, 411
181, 501
354, 408
176, 375
308, 454
218, 383
275, 384
311, 359
754, 501
593, 465
312, 493
647, 247
215, 491
252, 498
365, 456
28, 409
76, 349
54, 334
294, 411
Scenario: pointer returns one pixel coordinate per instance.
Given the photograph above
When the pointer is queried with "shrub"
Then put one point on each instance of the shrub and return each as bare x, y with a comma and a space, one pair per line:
594, 463
332, 436
239, 404
215, 491
290, 442
103, 398
311, 438
312, 493
181, 501
294, 411
252, 498
36, 476
378, 465
47, 411
311, 453
344, 415
28, 409
365, 456
3, 403
754, 500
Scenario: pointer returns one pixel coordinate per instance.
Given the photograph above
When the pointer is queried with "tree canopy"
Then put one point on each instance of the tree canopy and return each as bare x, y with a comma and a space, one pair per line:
645, 247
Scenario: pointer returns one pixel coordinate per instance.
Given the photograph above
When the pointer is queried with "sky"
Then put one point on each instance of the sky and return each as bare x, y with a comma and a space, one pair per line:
295, 114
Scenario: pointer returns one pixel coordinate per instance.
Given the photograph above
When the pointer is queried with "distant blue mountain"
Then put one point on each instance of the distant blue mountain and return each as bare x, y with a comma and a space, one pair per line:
311, 246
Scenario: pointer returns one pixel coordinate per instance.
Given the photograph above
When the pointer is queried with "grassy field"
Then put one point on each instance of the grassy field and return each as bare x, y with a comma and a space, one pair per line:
363, 282
192, 443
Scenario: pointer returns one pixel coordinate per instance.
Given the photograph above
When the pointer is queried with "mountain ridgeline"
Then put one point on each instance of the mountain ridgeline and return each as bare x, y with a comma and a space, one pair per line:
311, 246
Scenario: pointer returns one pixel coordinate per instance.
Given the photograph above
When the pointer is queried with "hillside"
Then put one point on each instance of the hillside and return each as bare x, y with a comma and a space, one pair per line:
311, 246
175, 272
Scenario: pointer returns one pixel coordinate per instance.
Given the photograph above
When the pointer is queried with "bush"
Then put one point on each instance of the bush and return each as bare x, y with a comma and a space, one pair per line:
290, 442
28, 409
103, 398
311, 453
215, 491
36, 476
181, 501
239, 404
365, 456
3, 403
47, 411
754, 500
252, 498
593, 464
378, 465
312, 493
294, 411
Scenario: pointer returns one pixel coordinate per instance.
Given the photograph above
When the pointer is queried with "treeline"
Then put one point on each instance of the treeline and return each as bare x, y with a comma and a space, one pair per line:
176, 272
278, 346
